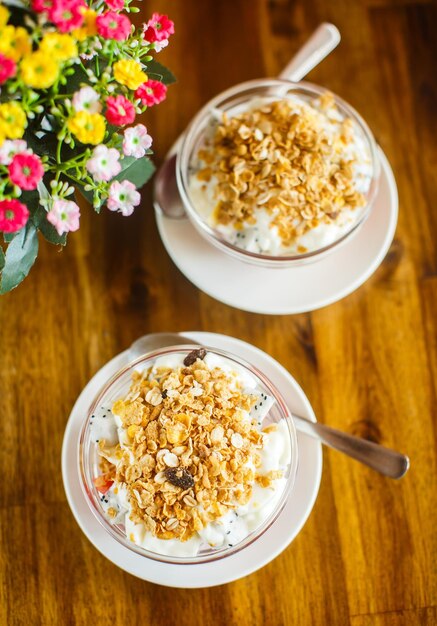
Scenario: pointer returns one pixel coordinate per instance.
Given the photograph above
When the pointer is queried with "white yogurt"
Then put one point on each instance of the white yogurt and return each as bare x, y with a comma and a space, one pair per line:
263, 237
237, 524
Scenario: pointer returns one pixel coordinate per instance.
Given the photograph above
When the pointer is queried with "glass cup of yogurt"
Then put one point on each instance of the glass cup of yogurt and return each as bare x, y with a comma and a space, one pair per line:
277, 173
187, 455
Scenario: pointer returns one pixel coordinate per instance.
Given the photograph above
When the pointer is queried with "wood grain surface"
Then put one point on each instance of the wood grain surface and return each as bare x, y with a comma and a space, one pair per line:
368, 554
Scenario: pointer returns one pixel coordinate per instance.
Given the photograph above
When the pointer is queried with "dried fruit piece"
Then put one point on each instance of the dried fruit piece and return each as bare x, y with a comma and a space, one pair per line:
179, 477
194, 355
103, 483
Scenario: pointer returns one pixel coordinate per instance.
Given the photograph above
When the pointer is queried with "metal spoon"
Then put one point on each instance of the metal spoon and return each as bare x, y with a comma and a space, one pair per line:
375, 456
325, 38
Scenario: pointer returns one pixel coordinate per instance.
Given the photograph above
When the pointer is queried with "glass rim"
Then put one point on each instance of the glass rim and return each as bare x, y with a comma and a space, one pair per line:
182, 169
88, 488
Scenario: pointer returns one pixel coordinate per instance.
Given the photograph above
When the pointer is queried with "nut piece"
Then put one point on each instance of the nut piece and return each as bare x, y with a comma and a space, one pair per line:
171, 460
194, 355
179, 477
154, 396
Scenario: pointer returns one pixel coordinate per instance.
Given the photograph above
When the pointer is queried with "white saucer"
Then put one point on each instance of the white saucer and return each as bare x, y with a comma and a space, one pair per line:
266, 548
292, 290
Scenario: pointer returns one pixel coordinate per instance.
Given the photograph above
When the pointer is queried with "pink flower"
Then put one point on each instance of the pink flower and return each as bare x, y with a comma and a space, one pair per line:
39, 6
87, 99
13, 215
159, 27
136, 141
119, 111
26, 170
112, 25
115, 5
103, 164
10, 148
123, 197
8, 68
64, 215
151, 92
67, 14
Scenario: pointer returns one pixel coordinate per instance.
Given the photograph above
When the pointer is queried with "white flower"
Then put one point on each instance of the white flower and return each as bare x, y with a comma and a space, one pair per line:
64, 215
136, 141
10, 148
104, 163
123, 197
160, 45
87, 99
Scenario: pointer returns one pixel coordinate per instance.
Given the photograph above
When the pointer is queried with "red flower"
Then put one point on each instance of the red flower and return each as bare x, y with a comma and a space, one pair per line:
112, 25
13, 215
115, 5
158, 28
8, 68
151, 92
26, 170
66, 14
119, 111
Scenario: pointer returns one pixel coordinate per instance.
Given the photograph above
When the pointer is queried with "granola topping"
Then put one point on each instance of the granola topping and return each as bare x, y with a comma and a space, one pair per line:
282, 176
189, 453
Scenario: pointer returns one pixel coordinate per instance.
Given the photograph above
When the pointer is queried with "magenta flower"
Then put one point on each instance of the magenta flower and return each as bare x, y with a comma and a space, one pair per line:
115, 5
67, 14
119, 111
123, 197
64, 215
111, 25
136, 141
158, 28
8, 68
151, 92
13, 216
26, 170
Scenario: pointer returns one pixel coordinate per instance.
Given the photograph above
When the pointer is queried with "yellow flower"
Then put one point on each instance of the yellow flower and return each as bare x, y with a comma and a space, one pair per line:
15, 42
60, 47
88, 28
129, 73
13, 120
38, 70
4, 15
88, 127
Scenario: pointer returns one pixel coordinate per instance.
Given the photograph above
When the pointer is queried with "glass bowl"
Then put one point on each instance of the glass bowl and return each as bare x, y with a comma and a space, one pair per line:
116, 388
228, 101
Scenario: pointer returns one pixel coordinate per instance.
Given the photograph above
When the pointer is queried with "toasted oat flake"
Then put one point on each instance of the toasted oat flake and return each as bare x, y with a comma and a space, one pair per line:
296, 161
188, 457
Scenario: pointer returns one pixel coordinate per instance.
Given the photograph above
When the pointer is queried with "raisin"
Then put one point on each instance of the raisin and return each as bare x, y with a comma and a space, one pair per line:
194, 355
179, 477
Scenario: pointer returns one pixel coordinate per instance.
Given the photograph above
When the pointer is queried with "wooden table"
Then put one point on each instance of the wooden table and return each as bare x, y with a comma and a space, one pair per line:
367, 556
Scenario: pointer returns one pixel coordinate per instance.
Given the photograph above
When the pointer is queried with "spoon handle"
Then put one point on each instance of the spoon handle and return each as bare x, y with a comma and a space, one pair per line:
379, 458
324, 39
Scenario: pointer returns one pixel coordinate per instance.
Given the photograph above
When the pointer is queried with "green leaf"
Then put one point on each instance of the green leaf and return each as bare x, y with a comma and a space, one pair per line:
20, 256
8, 237
157, 71
2, 259
138, 171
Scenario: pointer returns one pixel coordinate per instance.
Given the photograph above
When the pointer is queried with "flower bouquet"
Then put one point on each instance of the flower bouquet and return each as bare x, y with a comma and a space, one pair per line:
74, 74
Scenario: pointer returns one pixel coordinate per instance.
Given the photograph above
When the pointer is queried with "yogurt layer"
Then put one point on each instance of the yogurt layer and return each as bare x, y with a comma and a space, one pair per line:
250, 214
239, 519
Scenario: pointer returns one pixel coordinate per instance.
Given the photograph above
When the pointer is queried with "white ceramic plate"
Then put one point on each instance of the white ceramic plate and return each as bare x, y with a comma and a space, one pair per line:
259, 553
292, 290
